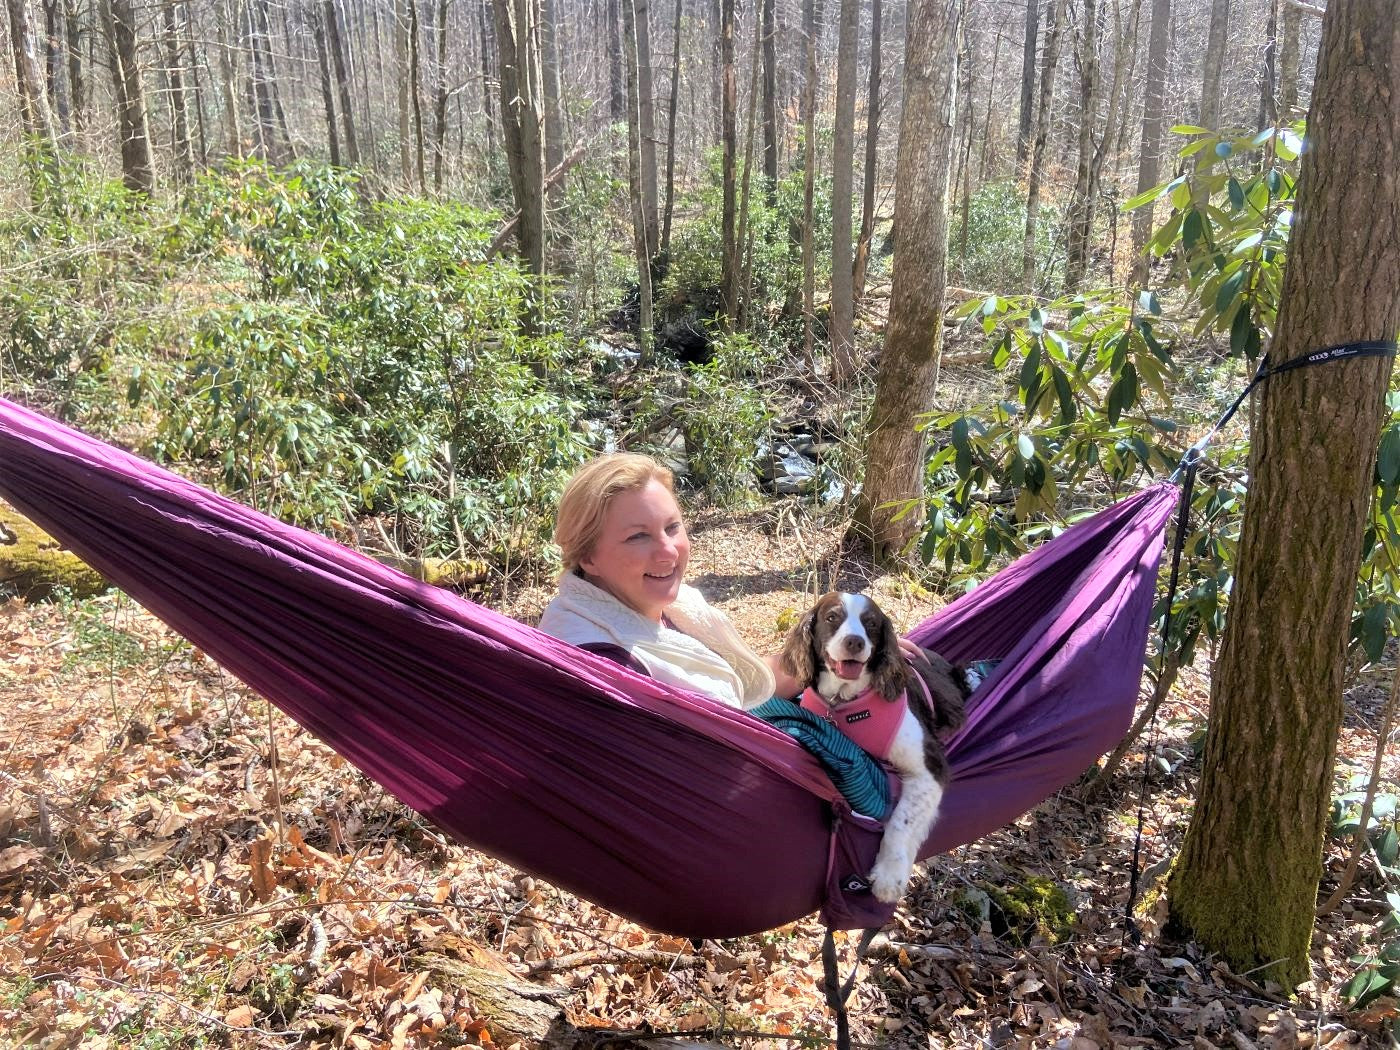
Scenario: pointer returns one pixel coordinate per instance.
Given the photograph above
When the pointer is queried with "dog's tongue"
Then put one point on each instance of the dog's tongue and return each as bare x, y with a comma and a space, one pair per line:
848, 669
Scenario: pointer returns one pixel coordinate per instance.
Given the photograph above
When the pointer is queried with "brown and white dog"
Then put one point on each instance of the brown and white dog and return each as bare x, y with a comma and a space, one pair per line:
893, 699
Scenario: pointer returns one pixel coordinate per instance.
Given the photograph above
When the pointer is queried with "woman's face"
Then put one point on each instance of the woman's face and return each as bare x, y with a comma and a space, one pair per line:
642, 551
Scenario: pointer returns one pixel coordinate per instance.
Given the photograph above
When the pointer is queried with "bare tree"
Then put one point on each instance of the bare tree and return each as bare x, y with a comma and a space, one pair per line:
522, 121
908, 374
636, 192
1150, 158
138, 167
842, 326
1028, 67
671, 107
1214, 63
1042, 135
1081, 211
729, 247
872, 141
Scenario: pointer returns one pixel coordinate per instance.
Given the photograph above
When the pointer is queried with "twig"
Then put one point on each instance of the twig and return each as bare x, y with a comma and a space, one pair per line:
503, 234
1359, 840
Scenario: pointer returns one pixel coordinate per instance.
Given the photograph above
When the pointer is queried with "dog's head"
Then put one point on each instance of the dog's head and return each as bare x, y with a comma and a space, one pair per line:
844, 645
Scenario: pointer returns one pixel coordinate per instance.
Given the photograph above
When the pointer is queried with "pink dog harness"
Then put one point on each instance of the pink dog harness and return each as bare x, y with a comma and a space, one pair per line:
869, 719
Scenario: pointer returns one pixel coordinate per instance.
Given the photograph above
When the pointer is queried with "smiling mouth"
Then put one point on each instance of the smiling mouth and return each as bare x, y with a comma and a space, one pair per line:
848, 670
654, 576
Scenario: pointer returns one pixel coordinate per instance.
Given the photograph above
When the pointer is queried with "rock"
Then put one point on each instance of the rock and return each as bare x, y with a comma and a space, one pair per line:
33, 563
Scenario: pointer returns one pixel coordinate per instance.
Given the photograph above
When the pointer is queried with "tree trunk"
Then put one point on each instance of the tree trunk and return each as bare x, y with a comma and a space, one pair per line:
487, 48
809, 180
744, 236
1150, 159
35, 113
179, 100
1214, 63
908, 374
770, 98
78, 94
335, 41
440, 97
646, 109
55, 72
415, 65
138, 168
1276, 698
522, 120
403, 21
1042, 135
729, 248
1288, 62
843, 305
616, 77
1268, 100
323, 65
642, 246
272, 122
872, 142
553, 116
1081, 213
228, 76
671, 130
1028, 67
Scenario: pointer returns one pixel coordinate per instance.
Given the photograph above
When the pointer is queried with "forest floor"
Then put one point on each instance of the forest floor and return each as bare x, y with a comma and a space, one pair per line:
150, 901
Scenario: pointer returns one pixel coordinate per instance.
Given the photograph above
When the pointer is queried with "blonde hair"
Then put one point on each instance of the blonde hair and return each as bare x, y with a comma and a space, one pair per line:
590, 492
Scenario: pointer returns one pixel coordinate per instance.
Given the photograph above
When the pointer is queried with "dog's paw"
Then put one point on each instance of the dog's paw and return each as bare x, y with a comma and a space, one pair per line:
889, 879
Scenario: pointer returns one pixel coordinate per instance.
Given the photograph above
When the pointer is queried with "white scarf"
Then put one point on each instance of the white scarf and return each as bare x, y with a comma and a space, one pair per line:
703, 653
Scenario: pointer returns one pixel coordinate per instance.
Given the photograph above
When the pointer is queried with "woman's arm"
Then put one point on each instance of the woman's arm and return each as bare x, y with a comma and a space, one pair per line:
786, 685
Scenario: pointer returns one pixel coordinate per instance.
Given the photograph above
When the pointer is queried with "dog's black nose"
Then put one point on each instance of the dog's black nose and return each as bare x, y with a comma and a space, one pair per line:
853, 643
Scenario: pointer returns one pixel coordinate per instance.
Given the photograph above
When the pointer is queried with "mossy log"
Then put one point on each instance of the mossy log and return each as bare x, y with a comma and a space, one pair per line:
514, 1008
33, 563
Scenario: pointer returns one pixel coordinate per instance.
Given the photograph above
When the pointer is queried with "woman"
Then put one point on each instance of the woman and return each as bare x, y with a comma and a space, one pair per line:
622, 594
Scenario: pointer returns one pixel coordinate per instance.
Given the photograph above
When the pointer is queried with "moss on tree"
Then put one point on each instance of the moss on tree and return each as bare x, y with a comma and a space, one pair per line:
33, 563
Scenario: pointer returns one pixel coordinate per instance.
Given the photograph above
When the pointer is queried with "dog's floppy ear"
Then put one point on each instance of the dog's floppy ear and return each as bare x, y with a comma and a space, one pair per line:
797, 658
887, 674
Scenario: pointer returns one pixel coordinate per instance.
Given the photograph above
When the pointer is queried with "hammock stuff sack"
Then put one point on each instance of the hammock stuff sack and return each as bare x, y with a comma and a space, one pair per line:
664, 807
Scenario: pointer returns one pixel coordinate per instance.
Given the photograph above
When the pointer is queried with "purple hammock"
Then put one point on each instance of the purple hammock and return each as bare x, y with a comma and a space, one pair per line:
665, 807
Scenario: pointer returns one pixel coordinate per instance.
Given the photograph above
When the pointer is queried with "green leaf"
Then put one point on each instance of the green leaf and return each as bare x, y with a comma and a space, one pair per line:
1373, 632
1236, 193
1148, 300
1388, 460
1189, 129
1229, 288
1068, 409
1144, 197
1192, 229
1036, 321
989, 305
1025, 446
1240, 328
1030, 370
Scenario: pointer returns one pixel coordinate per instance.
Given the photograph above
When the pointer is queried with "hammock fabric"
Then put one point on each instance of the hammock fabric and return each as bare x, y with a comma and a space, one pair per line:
665, 807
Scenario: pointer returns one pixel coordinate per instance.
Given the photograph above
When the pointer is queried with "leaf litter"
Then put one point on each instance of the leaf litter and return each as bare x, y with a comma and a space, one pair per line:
181, 868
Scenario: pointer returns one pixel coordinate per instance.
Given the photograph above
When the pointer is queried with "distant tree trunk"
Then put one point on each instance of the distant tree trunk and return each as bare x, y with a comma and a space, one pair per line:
138, 168
872, 142
323, 65
522, 120
634, 181
646, 103
1081, 213
403, 22
908, 373
965, 98
1126, 55
271, 121
843, 307
671, 130
415, 65
335, 42
440, 97
1028, 67
770, 97
193, 63
228, 77
55, 72
179, 101
809, 180
73, 35
1257, 831
717, 84
985, 152
1288, 62
1042, 135
553, 117
488, 47
1150, 159
1214, 64
729, 248
616, 77
743, 237
1268, 100
35, 113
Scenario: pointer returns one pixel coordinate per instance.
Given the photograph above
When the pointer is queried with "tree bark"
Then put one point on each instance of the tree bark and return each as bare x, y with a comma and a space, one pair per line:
323, 65
553, 116
872, 142
179, 98
1081, 212
843, 305
729, 248
415, 65
1268, 100
809, 180
522, 120
1288, 62
908, 373
1214, 63
646, 110
335, 41
665, 252
636, 192
616, 76
1042, 136
770, 98
441, 94
1028, 67
55, 72
228, 77
487, 48
1150, 159
78, 95
403, 22
138, 168
35, 113
1276, 698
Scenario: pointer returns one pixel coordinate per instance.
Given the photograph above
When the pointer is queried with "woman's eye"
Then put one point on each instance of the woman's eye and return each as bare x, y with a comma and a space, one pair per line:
673, 528
636, 536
